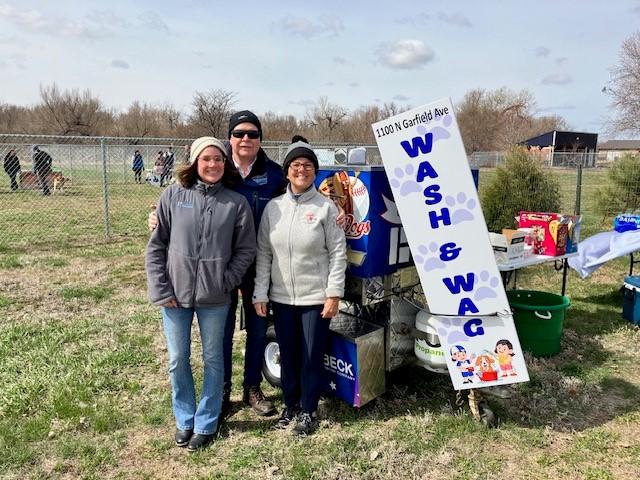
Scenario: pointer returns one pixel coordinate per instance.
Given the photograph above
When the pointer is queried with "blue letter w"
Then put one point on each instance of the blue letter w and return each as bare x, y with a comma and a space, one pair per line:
416, 144
460, 283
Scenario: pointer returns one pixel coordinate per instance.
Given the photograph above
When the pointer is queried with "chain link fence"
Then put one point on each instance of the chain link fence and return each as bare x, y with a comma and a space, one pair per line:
91, 191
80, 189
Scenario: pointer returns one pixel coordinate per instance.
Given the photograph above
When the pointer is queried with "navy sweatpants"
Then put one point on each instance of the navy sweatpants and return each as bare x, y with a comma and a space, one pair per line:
302, 335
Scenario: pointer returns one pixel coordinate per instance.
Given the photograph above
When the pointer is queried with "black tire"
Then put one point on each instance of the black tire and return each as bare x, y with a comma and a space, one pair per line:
271, 358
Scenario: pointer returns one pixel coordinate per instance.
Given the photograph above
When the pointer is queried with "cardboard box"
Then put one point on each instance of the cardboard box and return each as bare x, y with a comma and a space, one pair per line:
549, 232
508, 246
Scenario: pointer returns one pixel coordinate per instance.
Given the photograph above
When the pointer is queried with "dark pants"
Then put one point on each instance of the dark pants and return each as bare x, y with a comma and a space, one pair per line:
13, 174
138, 174
42, 180
256, 336
302, 335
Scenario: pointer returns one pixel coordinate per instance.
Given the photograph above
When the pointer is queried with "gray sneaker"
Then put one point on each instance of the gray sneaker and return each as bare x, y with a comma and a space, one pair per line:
307, 423
288, 415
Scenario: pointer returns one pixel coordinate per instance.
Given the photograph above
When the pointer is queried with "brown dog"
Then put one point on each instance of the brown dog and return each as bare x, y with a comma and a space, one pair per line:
55, 180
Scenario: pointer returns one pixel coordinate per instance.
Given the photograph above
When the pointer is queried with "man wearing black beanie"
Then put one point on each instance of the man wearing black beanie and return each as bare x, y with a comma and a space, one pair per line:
259, 179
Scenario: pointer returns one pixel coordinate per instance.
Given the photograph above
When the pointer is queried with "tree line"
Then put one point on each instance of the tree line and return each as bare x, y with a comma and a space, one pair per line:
488, 120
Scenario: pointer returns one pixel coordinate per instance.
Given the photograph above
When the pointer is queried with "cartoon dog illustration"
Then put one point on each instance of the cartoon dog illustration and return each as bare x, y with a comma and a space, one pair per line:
485, 367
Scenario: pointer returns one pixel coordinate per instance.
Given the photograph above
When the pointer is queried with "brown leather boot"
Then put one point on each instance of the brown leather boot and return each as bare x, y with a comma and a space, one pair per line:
254, 397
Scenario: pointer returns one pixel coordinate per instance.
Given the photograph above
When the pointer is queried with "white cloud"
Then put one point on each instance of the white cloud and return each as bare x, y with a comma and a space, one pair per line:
35, 21
405, 54
542, 51
151, 20
562, 60
117, 63
340, 60
418, 19
328, 25
401, 98
457, 18
354, 84
302, 103
557, 79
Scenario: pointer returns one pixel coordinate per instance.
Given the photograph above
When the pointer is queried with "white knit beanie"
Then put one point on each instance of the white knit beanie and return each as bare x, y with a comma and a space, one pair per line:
199, 144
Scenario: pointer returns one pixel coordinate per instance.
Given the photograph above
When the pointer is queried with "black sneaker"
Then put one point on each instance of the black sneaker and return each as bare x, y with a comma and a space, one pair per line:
307, 423
288, 416
182, 437
199, 441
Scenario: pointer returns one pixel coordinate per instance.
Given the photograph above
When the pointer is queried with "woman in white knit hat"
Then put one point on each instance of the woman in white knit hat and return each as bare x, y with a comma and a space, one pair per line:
204, 243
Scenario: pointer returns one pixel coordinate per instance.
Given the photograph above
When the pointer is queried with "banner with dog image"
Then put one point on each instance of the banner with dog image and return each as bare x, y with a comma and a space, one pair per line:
425, 160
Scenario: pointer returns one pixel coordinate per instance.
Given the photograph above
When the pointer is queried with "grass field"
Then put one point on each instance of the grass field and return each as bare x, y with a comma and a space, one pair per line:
84, 391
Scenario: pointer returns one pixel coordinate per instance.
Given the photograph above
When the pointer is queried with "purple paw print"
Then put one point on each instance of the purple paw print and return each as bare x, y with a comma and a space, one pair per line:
486, 286
438, 132
451, 329
429, 258
405, 180
463, 208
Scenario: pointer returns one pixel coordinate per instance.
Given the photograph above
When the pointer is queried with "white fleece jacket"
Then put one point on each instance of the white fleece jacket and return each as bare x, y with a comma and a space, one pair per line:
302, 253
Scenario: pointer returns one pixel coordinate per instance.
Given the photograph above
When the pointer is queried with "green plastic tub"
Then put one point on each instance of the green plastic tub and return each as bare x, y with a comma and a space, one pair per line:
539, 319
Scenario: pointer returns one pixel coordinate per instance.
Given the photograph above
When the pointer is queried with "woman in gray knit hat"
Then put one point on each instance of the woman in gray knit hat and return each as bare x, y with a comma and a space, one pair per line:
300, 269
202, 247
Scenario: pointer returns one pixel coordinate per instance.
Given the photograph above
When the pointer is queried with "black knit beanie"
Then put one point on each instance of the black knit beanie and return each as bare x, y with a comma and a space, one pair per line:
300, 149
242, 117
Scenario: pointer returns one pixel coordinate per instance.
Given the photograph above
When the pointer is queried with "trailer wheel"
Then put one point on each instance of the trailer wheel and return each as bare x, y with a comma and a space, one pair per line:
271, 358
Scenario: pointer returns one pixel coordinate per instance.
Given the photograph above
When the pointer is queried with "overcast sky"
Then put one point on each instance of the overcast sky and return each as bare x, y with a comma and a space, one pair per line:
281, 56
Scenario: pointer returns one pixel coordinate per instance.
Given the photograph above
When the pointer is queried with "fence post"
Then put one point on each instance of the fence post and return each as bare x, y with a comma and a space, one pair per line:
578, 190
105, 188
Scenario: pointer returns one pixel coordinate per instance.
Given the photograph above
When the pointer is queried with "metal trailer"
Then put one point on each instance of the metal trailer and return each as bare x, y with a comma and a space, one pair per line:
383, 323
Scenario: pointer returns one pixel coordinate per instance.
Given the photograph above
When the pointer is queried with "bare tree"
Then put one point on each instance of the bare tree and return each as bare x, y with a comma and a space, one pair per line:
624, 87
280, 127
71, 112
211, 111
326, 120
499, 119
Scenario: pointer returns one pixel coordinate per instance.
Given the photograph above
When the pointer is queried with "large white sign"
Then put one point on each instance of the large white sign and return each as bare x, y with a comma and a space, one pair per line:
427, 166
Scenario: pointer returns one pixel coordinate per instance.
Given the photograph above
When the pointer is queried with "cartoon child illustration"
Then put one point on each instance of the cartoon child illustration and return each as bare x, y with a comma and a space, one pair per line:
484, 365
504, 351
463, 362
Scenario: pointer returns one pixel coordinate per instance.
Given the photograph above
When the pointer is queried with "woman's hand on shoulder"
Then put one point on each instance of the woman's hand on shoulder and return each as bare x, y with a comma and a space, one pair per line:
330, 308
261, 308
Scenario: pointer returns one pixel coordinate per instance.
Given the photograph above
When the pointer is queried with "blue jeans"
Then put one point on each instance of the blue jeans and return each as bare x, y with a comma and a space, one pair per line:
177, 330
256, 336
302, 335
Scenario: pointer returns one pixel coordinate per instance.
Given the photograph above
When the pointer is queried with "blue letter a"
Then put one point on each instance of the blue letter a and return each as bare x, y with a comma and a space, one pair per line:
418, 145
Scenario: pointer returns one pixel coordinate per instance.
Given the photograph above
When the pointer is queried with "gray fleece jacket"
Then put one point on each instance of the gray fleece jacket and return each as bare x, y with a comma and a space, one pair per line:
203, 245
302, 253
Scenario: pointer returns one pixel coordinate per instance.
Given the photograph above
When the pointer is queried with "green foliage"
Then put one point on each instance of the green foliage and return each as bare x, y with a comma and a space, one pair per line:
520, 184
622, 192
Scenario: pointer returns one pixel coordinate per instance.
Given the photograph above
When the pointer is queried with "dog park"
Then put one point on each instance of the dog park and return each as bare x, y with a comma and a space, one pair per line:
84, 391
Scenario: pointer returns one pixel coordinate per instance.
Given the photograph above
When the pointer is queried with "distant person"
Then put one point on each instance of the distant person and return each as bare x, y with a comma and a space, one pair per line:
42, 167
12, 167
137, 165
169, 161
185, 158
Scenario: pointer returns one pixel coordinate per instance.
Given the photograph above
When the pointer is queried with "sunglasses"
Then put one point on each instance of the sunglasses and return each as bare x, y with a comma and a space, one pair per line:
252, 134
